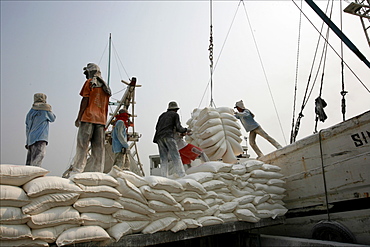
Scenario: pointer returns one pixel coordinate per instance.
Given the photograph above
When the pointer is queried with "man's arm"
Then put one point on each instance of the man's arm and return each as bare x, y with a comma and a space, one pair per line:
178, 126
83, 106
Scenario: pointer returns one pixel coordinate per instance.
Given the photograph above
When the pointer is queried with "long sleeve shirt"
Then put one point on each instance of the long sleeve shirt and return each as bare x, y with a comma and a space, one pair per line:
168, 123
247, 120
119, 137
37, 125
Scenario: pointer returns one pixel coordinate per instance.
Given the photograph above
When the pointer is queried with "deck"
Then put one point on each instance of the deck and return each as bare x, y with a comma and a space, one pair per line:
168, 237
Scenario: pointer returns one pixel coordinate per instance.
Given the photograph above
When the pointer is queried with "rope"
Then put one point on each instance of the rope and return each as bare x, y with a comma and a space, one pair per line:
348, 67
264, 72
305, 99
210, 49
292, 137
343, 92
218, 58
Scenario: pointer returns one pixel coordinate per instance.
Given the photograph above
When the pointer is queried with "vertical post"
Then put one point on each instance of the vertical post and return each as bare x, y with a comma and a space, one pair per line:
110, 42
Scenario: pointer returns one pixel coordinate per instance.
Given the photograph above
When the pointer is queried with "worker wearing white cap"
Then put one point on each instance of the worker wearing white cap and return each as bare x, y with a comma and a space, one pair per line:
169, 123
246, 117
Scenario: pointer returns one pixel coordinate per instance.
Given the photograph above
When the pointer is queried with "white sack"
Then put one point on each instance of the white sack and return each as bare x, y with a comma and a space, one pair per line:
45, 202
97, 205
82, 234
55, 216
18, 174
50, 184
94, 179
12, 216
13, 196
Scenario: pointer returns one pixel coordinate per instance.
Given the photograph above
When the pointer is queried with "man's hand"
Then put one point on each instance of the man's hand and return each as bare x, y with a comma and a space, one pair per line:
123, 150
77, 123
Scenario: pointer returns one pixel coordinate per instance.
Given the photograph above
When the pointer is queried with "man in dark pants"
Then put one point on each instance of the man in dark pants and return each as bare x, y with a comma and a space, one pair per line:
169, 123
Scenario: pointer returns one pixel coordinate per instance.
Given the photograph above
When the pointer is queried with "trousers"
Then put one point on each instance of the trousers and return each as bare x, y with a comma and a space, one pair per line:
261, 132
122, 160
36, 153
89, 133
168, 152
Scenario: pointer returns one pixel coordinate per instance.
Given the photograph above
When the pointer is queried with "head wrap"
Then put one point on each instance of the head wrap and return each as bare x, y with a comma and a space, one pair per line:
39, 102
240, 104
94, 73
124, 116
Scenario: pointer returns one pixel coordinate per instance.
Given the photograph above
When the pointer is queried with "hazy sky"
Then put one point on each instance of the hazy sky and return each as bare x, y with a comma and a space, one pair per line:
45, 45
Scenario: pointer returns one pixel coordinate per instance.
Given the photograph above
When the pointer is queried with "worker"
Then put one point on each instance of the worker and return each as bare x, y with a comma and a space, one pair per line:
188, 152
91, 120
37, 129
246, 117
167, 123
119, 140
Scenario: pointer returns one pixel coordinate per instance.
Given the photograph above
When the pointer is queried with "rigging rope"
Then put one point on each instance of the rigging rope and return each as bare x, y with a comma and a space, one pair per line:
218, 58
308, 92
292, 137
343, 92
210, 49
354, 74
264, 71
305, 99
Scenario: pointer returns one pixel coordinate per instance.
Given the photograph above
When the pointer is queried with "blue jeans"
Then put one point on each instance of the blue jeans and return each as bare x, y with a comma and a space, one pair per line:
168, 151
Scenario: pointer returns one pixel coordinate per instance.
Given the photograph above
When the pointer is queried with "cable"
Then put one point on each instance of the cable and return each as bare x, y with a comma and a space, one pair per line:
354, 74
264, 72
292, 137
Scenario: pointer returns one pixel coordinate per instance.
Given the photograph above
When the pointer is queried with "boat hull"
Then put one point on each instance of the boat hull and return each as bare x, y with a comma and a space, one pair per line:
327, 173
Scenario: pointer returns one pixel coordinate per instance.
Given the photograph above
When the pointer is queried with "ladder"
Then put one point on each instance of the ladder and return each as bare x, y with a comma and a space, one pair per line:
361, 8
132, 155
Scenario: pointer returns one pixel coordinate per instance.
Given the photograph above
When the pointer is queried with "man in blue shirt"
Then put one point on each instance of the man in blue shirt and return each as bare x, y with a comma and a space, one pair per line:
119, 141
37, 129
246, 117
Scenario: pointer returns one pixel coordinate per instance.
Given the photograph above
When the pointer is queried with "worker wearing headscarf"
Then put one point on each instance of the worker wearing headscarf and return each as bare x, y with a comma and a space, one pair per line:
37, 129
250, 125
91, 120
168, 123
119, 141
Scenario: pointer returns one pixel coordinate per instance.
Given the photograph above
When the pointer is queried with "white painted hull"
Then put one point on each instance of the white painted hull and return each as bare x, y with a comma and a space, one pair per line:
345, 158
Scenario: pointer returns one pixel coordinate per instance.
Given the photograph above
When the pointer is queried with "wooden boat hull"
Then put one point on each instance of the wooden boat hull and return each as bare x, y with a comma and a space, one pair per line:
331, 166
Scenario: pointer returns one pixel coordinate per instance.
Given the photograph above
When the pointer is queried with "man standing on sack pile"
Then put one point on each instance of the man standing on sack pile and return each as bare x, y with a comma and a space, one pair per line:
37, 129
91, 121
119, 140
246, 117
169, 123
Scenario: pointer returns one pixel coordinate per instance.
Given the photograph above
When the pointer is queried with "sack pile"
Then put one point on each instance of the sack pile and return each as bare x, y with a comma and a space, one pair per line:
217, 132
37, 210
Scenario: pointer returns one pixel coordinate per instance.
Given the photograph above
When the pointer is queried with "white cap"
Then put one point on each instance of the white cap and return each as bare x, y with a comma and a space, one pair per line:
240, 104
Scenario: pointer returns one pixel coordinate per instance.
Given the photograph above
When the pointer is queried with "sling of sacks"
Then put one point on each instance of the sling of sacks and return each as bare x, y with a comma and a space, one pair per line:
38, 210
217, 132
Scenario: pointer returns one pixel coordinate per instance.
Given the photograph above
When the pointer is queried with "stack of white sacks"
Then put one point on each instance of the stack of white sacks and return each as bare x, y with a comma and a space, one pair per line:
217, 132
37, 210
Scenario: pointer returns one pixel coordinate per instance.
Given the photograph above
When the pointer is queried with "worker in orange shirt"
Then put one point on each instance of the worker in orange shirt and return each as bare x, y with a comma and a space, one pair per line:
91, 120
